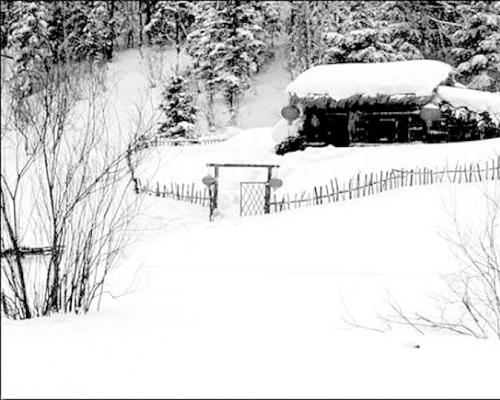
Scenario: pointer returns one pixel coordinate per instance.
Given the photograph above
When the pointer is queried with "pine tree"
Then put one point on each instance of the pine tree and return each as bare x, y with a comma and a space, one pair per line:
371, 32
127, 19
268, 16
200, 45
6, 19
238, 52
147, 7
29, 38
306, 28
476, 47
272, 24
170, 22
178, 106
431, 23
90, 30
100, 31
225, 46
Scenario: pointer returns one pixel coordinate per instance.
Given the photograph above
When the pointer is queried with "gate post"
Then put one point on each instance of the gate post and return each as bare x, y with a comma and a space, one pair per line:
267, 191
216, 185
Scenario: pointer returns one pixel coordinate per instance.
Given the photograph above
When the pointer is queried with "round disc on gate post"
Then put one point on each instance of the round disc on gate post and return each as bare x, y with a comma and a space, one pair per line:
275, 183
290, 113
208, 180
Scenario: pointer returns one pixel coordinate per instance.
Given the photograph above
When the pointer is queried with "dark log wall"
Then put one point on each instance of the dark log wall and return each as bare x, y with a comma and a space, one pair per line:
342, 127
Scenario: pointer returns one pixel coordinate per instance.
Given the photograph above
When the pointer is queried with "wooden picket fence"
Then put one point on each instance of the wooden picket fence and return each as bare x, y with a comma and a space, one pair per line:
369, 184
157, 142
182, 192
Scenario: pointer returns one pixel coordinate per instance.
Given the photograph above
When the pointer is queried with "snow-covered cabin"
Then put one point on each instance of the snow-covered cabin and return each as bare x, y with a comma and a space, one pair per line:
380, 102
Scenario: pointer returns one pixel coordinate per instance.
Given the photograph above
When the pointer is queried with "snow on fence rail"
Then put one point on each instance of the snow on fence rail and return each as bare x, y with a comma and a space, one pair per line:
156, 142
183, 192
368, 184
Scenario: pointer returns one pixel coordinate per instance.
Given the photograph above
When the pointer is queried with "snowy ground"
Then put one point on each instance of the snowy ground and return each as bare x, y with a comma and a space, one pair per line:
254, 307
301, 170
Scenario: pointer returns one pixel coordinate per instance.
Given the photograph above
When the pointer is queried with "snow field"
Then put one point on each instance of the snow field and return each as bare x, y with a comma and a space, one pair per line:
254, 306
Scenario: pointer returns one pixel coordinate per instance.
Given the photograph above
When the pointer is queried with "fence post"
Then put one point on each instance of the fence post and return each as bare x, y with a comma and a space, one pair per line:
358, 184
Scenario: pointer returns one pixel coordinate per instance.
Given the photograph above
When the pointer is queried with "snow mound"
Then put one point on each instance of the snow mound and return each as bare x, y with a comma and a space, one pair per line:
283, 129
340, 81
474, 100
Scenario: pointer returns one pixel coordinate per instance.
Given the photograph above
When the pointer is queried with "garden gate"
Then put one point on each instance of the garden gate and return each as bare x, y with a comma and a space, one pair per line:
255, 197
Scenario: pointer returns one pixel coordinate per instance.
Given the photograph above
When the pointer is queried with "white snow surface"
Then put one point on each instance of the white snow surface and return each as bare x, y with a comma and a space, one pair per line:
299, 170
340, 81
255, 307
475, 100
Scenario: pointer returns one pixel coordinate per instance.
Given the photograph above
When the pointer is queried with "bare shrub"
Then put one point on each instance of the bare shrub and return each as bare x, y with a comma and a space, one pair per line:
69, 195
472, 304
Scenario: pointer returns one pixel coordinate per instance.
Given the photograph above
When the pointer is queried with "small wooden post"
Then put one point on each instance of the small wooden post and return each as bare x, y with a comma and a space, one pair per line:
216, 186
267, 191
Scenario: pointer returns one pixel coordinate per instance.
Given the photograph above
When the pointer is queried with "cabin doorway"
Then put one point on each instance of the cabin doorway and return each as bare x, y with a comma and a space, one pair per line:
336, 130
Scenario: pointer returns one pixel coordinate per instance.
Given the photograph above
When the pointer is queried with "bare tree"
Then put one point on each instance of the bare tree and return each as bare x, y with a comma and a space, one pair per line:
69, 197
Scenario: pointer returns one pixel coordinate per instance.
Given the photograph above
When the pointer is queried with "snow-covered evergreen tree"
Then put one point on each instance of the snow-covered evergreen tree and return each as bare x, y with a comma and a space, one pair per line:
99, 33
201, 44
6, 19
178, 107
307, 24
477, 45
225, 46
127, 17
29, 39
371, 32
90, 30
238, 52
170, 22
268, 16
431, 24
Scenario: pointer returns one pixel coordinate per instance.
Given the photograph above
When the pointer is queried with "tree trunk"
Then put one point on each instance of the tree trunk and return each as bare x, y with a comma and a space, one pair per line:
177, 39
149, 6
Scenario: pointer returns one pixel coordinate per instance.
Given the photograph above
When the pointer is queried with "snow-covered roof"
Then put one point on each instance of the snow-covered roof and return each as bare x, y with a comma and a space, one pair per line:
474, 100
340, 81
